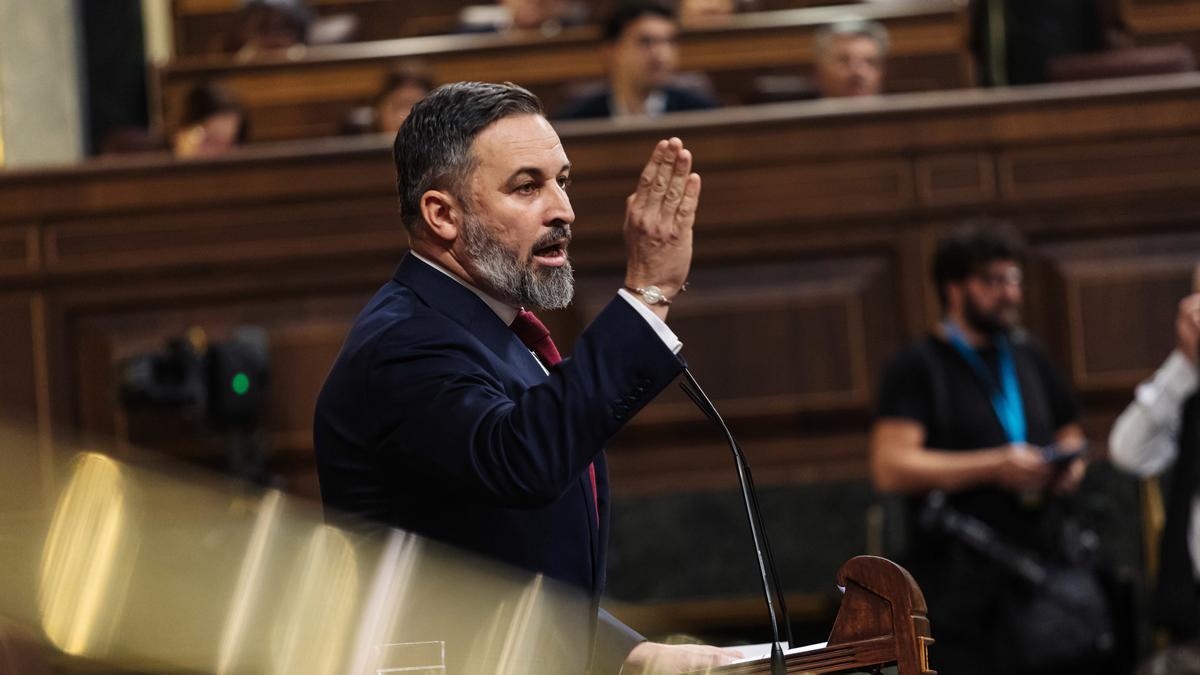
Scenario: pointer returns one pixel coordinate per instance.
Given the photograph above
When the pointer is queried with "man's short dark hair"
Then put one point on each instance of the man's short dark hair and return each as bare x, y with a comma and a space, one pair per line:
433, 147
628, 12
971, 247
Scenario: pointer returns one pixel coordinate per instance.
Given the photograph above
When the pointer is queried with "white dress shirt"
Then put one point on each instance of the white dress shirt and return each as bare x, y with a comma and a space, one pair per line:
1145, 438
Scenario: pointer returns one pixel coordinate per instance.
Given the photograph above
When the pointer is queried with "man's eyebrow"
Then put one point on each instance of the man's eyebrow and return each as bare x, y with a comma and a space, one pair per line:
535, 172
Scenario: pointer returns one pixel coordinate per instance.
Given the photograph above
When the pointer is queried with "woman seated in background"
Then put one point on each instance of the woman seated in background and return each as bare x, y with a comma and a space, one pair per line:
213, 122
403, 87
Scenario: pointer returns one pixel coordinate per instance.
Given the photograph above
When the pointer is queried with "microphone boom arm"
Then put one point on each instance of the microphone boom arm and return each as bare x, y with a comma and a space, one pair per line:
762, 547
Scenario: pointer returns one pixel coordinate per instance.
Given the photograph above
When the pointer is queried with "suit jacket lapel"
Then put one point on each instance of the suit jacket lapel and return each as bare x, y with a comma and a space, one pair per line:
464, 307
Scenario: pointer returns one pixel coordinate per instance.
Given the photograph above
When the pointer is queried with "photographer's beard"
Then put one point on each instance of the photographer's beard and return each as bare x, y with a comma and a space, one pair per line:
520, 284
1002, 317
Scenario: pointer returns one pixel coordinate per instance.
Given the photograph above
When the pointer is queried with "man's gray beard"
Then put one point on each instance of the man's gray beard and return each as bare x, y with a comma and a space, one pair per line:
522, 285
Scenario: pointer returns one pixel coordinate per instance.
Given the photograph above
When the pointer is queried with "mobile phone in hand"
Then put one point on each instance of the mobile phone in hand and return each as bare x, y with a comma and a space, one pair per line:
1060, 456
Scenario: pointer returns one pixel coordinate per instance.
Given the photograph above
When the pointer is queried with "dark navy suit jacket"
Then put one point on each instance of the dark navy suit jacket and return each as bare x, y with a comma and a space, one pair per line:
436, 419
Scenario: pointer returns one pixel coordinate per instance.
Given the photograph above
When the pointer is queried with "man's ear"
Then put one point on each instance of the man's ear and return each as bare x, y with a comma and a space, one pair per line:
442, 214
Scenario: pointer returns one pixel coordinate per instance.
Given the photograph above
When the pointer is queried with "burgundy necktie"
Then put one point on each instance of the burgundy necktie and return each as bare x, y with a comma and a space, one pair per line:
536, 337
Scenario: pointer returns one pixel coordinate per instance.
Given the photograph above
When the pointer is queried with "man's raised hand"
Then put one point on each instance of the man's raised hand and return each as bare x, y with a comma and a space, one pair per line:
659, 216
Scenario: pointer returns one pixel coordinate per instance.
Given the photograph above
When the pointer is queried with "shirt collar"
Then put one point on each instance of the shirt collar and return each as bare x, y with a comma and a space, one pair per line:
506, 312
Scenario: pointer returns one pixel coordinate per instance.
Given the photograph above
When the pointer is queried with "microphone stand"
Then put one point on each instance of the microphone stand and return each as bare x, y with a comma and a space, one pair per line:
762, 548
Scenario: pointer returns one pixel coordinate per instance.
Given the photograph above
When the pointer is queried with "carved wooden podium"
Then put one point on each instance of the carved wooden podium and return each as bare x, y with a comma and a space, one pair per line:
881, 621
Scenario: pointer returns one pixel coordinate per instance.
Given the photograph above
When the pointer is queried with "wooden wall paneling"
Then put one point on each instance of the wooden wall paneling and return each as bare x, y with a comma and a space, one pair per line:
223, 234
1118, 304
324, 169
924, 246
25, 421
306, 327
701, 461
797, 336
817, 190
1154, 17
843, 199
305, 310
1104, 168
956, 179
1048, 114
998, 125
20, 250
198, 26
754, 196
912, 270
19, 388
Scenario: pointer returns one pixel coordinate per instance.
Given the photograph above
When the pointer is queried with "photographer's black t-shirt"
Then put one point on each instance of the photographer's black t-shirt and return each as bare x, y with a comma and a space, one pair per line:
961, 418
970, 423
970, 596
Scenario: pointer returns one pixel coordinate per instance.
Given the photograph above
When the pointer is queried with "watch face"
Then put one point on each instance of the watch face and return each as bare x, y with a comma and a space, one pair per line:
653, 295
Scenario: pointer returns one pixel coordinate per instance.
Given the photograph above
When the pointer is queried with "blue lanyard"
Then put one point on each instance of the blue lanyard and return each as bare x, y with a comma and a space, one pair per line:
1006, 395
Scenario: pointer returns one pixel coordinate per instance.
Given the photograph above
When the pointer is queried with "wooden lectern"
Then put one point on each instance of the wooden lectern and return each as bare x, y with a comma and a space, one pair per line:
881, 621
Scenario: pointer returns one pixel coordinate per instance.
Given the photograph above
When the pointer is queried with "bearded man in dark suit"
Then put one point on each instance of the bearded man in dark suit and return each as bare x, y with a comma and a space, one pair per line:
448, 412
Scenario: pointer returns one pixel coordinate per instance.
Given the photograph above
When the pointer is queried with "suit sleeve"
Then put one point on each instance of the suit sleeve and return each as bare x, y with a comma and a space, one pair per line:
614, 641
438, 404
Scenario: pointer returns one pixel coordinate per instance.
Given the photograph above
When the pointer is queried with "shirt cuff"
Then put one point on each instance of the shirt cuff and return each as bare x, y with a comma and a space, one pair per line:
660, 327
1174, 381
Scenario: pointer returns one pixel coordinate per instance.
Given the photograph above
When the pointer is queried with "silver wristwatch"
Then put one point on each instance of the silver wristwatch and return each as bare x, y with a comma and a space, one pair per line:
652, 295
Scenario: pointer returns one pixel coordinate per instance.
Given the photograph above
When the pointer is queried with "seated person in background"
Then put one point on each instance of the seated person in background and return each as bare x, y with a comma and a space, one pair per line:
404, 86
265, 25
1015, 41
546, 16
850, 59
642, 54
1158, 432
212, 123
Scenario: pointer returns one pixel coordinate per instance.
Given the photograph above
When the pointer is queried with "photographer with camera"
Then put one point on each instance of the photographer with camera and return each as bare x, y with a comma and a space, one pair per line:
979, 434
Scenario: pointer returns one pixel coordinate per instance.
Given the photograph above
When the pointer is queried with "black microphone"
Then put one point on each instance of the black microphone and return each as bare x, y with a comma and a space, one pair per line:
772, 591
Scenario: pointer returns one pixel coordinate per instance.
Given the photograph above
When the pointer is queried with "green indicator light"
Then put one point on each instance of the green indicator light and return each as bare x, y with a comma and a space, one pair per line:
241, 384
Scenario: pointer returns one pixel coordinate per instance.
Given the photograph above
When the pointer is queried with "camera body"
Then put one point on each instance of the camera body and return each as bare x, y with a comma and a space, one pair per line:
226, 381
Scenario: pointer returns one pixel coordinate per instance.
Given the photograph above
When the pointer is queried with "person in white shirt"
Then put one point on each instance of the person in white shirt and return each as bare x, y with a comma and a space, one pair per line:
1146, 440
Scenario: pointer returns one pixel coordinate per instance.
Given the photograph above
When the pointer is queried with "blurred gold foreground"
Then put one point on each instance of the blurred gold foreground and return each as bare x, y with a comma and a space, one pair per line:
139, 566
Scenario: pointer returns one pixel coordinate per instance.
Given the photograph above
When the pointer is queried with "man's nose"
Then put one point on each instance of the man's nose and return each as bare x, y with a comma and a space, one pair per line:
559, 210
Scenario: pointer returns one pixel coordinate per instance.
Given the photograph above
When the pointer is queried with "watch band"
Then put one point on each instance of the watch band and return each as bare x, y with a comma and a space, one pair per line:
653, 295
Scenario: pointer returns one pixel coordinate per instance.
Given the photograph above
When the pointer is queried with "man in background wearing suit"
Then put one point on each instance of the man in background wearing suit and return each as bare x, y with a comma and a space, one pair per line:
448, 411
642, 53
